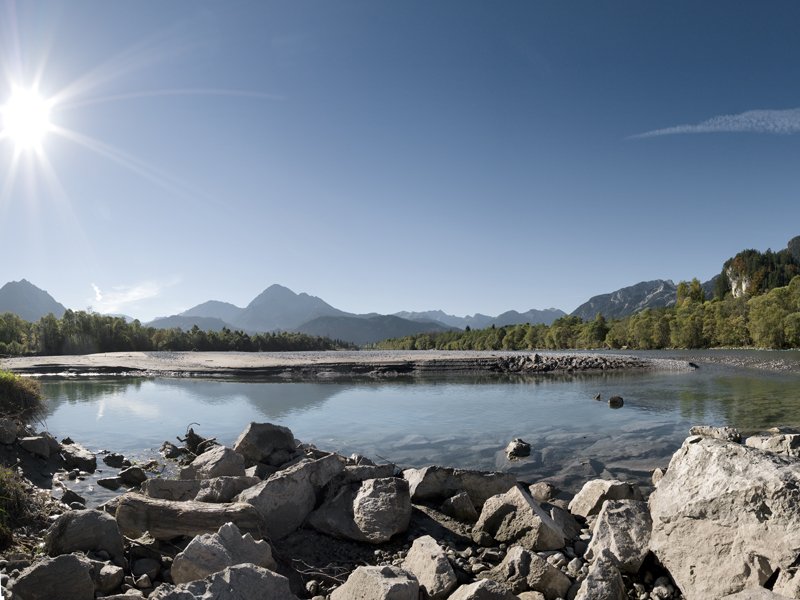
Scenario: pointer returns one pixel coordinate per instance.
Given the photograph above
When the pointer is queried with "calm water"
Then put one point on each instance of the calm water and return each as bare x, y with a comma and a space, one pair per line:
464, 423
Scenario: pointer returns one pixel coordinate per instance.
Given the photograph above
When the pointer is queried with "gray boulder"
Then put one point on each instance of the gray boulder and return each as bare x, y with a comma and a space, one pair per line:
69, 574
436, 484
460, 507
171, 489
216, 462
589, 500
729, 434
603, 582
242, 582
288, 497
518, 448
485, 589
378, 583
373, 511
515, 517
132, 476
85, 530
622, 529
781, 443
266, 443
522, 571
224, 489
358, 473
77, 457
756, 594
209, 553
428, 563
106, 577
725, 509
38, 445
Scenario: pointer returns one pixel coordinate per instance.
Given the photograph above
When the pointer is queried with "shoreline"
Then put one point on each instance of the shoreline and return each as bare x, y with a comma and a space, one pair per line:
332, 364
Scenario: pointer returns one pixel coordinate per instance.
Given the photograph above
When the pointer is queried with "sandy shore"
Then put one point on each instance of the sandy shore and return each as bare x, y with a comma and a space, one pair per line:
322, 364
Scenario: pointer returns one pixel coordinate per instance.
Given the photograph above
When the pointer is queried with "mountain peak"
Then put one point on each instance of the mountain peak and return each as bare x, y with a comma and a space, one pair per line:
28, 301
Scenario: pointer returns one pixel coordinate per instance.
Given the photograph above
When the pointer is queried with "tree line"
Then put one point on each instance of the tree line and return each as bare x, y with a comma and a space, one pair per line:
79, 332
769, 320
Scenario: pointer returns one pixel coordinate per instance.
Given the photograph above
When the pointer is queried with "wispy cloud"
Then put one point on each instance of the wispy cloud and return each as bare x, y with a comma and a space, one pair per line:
780, 122
118, 298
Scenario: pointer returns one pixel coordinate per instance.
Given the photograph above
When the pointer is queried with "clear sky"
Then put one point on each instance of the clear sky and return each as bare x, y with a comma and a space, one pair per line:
387, 156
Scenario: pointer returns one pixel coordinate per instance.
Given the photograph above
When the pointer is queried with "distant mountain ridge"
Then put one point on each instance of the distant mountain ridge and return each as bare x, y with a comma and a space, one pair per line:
28, 301
368, 330
480, 321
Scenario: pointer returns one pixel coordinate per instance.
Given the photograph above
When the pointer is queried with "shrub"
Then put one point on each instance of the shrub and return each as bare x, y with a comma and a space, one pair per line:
16, 505
19, 396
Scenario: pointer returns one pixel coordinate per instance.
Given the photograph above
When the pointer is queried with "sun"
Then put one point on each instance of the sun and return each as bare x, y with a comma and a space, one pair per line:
25, 119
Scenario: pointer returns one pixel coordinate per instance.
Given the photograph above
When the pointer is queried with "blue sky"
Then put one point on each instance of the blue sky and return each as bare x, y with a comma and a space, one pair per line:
386, 156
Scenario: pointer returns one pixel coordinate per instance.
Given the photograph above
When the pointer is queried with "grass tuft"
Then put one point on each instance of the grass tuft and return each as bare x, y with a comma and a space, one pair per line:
19, 396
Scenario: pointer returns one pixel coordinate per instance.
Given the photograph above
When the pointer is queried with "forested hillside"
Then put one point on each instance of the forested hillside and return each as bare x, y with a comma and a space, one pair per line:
770, 320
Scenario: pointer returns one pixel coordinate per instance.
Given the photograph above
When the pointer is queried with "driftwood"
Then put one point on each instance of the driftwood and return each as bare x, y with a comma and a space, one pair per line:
197, 444
166, 519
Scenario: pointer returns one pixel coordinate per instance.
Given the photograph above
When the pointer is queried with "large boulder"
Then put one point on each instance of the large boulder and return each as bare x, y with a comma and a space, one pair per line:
209, 553
437, 484
428, 563
38, 445
85, 530
485, 589
77, 457
727, 510
371, 511
242, 582
224, 489
70, 574
756, 594
266, 443
378, 583
590, 498
216, 462
515, 517
522, 571
780, 443
165, 519
623, 529
603, 582
171, 489
460, 507
288, 497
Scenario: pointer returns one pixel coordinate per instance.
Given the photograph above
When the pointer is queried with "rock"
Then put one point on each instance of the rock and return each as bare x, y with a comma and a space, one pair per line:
371, 511
518, 448
657, 476
486, 589
224, 489
165, 519
589, 500
729, 434
216, 462
436, 484
110, 483
516, 517
428, 563
242, 582
531, 596
150, 567
107, 577
756, 594
603, 582
566, 522
170, 450
542, 491
782, 443
266, 443
260, 470
85, 530
68, 497
522, 571
114, 460
171, 489
38, 445
69, 574
358, 473
378, 583
209, 553
77, 457
788, 584
725, 509
133, 476
9, 429
616, 402
622, 529
460, 507
288, 497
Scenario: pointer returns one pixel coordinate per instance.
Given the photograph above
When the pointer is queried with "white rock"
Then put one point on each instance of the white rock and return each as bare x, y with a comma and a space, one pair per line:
521, 571
266, 443
242, 582
216, 462
428, 563
603, 582
224, 489
623, 529
378, 583
589, 500
485, 589
436, 484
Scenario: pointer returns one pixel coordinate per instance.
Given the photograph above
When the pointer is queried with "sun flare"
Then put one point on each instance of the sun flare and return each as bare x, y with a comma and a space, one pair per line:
25, 119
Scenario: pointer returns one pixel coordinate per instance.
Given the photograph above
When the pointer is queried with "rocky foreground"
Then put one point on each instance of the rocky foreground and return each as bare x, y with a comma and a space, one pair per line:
274, 518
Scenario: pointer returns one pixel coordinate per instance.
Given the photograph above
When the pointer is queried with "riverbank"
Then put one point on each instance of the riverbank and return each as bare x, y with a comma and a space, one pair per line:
326, 365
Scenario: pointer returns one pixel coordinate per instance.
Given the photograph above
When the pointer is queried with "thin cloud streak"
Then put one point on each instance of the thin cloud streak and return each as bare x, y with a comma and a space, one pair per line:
777, 122
118, 297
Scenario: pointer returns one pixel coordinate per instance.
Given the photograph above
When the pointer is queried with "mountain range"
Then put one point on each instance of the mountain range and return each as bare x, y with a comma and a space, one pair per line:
278, 308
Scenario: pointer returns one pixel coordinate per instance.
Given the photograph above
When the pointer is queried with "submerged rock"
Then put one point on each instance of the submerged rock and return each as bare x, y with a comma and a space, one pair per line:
518, 448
